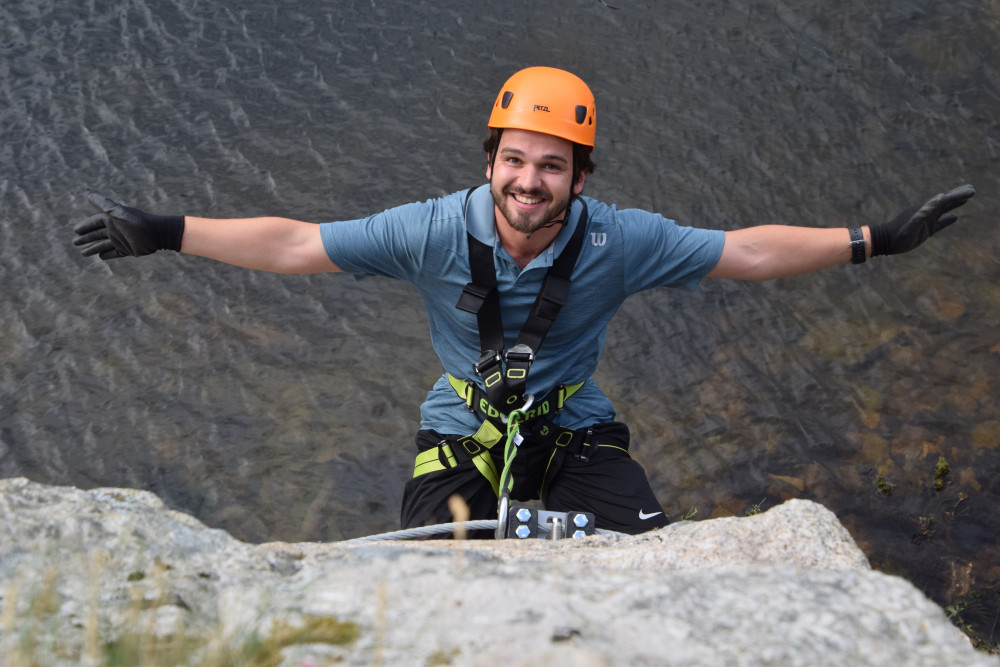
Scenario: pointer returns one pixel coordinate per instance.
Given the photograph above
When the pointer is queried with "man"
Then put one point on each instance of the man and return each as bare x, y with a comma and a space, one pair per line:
505, 267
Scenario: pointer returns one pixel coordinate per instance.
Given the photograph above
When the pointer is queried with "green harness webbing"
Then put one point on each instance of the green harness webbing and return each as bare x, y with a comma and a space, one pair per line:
477, 401
476, 446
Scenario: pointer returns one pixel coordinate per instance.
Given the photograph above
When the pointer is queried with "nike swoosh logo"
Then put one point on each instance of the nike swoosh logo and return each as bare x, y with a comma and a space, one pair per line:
643, 516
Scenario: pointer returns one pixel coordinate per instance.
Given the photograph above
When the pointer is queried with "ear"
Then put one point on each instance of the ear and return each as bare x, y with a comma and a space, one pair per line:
578, 186
489, 171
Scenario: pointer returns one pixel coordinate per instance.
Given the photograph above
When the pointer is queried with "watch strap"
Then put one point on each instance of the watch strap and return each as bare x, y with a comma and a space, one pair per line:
858, 255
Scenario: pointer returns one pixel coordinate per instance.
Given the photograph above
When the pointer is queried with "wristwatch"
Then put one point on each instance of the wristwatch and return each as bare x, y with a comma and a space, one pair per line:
857, 246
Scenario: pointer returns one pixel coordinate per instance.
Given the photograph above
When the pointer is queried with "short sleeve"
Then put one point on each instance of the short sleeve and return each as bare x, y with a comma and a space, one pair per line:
392, 243
662, 253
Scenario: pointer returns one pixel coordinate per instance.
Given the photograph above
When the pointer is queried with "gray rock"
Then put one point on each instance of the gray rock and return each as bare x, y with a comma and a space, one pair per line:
88, 574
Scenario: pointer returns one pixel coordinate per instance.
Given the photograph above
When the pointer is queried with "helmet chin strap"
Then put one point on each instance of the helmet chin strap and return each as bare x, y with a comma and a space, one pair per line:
560, 221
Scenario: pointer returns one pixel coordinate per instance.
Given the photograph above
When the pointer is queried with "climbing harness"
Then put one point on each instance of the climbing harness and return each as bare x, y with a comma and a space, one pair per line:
502, 402
508, 413
505, 372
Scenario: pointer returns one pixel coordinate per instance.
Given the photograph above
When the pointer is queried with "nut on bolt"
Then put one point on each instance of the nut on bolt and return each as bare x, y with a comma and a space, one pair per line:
523, 532
523, 514
581, 520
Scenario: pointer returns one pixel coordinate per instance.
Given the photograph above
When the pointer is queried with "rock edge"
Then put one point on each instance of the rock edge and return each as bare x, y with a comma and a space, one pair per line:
788, 586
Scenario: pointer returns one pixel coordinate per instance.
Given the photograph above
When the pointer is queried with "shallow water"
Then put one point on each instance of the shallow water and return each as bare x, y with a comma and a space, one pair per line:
282, 408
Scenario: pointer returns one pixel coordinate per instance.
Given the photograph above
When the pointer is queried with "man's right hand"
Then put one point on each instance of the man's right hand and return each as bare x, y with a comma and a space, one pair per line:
122, 231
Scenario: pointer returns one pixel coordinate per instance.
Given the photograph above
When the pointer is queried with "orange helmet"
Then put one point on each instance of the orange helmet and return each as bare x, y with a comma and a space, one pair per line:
547, 100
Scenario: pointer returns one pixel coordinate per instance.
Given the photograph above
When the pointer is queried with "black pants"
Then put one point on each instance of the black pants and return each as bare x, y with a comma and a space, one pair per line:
610, 484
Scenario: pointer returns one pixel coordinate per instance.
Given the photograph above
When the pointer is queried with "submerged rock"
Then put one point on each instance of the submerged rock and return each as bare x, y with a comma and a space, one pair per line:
111, 573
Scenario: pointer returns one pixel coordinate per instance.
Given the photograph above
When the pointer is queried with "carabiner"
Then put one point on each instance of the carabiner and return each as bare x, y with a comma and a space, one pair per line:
529, 400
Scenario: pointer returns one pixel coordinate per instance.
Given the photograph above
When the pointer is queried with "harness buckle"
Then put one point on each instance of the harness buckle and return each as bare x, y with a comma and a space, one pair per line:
520, 353
473, 297
583, 456
489, 360
470, 446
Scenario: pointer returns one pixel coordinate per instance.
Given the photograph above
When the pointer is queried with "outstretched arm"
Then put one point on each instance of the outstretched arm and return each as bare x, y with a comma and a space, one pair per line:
775, 251
279, 245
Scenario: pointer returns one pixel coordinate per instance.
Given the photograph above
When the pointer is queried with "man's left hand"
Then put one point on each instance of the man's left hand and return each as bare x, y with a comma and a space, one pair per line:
914, 226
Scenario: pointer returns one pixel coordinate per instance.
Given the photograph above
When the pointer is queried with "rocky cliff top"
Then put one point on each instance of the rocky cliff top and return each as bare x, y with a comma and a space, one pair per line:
90, 576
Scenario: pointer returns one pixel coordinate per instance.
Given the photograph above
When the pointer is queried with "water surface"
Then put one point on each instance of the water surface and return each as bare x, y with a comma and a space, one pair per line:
283, 407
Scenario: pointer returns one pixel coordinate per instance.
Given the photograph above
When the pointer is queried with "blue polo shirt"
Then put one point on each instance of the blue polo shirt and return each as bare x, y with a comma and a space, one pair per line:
425, 244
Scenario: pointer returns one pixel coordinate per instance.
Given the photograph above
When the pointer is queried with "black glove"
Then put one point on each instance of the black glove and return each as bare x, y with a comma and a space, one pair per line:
914, 226
122, 231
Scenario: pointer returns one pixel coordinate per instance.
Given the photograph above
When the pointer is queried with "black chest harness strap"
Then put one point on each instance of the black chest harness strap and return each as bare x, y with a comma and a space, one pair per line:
505, 388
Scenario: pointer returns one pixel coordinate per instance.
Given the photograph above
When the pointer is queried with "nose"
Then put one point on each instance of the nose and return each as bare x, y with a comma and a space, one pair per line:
530, 178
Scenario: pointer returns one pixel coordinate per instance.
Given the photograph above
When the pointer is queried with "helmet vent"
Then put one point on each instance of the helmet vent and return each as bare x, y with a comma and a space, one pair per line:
581, 113
507, 97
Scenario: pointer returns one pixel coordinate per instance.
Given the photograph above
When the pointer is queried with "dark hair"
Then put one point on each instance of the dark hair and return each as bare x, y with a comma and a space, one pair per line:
581, 154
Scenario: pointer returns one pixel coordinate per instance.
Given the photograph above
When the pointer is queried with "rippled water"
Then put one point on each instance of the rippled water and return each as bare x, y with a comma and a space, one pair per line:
282, 408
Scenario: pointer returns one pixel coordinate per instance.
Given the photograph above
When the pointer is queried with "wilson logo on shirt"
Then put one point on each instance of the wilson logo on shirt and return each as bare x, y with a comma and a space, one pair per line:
597, 239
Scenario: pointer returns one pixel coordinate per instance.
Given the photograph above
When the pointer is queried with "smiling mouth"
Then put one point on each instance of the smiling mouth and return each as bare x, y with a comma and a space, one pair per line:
526, 199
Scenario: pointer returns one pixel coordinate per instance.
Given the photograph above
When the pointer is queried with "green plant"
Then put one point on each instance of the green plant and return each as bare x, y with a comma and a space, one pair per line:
884, 486
972, 614
941, 471
755, 508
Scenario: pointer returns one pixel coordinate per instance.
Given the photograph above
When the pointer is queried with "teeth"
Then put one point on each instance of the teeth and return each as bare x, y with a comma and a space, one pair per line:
524, 199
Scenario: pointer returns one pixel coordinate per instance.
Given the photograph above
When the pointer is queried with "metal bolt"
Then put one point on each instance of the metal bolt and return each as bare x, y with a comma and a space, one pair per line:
523, 514
581, 520
523, 531
579, 533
